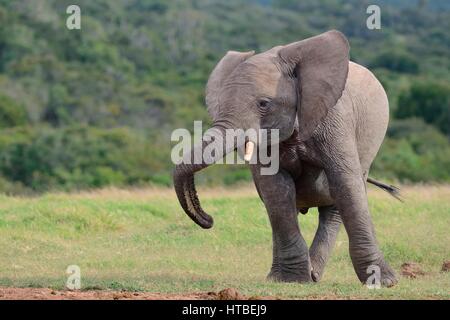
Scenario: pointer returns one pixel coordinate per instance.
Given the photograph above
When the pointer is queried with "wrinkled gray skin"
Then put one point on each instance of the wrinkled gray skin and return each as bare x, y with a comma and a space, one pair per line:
332, 115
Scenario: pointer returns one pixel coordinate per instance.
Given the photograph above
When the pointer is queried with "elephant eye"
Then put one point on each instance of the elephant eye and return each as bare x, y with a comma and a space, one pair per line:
294, 73
263, 103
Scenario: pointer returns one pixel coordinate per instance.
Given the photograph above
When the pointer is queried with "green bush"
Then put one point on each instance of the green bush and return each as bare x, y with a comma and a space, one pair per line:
396, 61
415, 152
12, 188
79, 157
428, 100
11, 113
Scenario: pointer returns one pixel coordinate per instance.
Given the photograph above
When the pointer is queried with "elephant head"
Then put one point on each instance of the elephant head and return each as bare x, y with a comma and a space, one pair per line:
271, 90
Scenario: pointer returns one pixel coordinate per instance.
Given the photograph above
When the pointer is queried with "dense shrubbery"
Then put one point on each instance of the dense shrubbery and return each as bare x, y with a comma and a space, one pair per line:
80, 157
11, 113
413, 151
89, 108
428, 100
396, 61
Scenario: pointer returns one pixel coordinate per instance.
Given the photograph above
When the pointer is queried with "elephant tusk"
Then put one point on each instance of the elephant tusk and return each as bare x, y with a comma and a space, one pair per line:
249, 146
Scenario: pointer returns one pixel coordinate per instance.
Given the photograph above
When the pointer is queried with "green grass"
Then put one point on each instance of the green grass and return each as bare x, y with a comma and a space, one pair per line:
141, 240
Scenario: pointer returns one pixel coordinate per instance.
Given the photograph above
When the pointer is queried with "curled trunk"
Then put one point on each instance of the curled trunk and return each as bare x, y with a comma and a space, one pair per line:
183, 175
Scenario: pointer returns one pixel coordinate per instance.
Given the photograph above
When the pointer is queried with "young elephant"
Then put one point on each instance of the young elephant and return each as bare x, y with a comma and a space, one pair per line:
332, 115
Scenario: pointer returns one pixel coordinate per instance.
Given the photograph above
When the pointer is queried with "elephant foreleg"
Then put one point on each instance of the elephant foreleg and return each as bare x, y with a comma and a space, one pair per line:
291, 261
327, 231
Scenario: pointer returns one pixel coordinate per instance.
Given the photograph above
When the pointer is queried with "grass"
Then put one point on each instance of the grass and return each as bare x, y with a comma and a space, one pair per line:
141, 240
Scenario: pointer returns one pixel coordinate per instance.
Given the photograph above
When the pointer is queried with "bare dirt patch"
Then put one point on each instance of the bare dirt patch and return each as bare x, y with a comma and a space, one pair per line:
446, 266
50, 294
412, 270
227, 294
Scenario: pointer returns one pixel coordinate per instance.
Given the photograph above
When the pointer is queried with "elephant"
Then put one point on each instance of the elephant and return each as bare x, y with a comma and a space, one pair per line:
332, 115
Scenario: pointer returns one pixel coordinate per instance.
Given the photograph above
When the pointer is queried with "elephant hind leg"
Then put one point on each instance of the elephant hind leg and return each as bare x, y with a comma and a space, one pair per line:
324, 240
348, 188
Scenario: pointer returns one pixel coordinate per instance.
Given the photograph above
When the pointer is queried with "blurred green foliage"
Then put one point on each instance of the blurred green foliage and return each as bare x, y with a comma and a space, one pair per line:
413, 152
11, 113
396, 61
429, 101
94, 107
80, 157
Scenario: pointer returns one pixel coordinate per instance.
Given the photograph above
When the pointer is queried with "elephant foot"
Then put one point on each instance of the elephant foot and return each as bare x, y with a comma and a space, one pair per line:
380, 271
388, 277
315, 275
317, 267
296, 274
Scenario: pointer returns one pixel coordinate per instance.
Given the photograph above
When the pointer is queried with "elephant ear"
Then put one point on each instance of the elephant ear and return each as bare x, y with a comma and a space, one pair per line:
220, 73
321, 65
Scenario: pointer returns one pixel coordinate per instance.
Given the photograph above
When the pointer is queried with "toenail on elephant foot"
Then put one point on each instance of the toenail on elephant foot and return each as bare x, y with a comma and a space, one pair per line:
315, 276
388, 277
389, 282
316, 271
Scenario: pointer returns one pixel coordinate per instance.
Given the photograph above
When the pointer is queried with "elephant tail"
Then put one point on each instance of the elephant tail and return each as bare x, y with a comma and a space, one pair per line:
392, 190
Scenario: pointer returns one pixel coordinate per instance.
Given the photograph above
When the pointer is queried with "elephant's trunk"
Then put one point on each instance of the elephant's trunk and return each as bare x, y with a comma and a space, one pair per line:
183, 175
